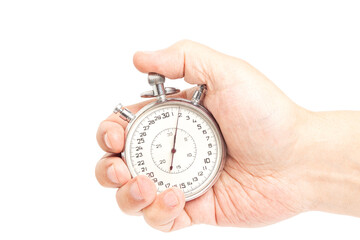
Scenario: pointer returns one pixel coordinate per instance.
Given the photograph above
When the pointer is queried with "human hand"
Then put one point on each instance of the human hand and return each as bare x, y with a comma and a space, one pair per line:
265, 178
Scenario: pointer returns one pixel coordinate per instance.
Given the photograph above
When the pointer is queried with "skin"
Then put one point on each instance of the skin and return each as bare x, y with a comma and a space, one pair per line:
281, 159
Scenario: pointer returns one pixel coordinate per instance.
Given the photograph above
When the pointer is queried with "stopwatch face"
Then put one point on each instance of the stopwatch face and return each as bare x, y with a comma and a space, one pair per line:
176, 144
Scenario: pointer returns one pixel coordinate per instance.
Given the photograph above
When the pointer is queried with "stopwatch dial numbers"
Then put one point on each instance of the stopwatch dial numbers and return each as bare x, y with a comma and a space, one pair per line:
170, 157
175, 147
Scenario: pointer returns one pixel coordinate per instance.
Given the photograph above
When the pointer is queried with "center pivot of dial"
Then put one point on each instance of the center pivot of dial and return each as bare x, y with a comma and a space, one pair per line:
169, 158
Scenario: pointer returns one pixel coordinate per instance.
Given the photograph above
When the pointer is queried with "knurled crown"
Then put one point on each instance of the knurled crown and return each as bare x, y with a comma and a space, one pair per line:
124, 113
155, 78
118, 108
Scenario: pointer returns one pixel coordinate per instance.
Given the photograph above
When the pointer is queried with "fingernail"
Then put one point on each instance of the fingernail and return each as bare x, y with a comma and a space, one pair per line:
112, 174
171, 199
107, 141
135, 191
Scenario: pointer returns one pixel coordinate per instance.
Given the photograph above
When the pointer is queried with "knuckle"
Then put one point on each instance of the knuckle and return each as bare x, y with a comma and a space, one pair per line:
102, 125
184, 44
100, 132
100, 169
158, 219
127, 206
167, 227
153, 220
122, 204
100, 176
165, 230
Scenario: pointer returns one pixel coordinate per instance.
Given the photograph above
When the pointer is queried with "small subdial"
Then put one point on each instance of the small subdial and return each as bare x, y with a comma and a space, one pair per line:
170, 157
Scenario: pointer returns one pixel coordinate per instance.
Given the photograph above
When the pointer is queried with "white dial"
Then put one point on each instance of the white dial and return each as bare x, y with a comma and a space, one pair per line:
176, 145
182, 153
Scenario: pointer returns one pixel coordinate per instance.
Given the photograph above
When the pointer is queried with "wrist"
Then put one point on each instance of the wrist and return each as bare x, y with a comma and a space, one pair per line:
329, 153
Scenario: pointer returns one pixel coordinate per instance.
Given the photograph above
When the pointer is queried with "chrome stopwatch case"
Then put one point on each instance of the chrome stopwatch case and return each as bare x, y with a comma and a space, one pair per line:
174, 141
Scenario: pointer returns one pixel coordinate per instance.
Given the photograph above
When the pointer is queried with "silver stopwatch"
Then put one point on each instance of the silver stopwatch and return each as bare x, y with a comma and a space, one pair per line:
173, 141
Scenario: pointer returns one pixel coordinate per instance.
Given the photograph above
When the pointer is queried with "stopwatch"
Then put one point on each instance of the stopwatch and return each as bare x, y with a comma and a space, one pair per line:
173, 141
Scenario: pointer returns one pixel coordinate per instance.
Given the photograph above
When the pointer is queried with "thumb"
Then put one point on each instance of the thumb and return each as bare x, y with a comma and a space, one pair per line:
197, 63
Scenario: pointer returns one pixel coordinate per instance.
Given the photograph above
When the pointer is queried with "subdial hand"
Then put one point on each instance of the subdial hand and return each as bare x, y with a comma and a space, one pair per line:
173, 150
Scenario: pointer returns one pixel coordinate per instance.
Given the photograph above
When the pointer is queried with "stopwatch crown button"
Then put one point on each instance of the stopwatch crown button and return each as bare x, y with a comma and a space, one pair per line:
118, 108
157, 82
158, 90
198, 94
155, 78
125, 114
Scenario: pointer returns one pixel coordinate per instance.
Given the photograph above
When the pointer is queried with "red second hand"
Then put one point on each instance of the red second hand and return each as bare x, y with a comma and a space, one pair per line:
173, 150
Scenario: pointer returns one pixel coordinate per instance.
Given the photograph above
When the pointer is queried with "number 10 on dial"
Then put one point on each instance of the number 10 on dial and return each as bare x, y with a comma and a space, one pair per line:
175, 142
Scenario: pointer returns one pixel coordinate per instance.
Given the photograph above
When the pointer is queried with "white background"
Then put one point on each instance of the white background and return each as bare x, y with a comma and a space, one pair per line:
65, 64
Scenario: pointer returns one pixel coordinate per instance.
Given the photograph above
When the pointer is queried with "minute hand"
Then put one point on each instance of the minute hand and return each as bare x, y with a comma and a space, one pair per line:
173, 150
